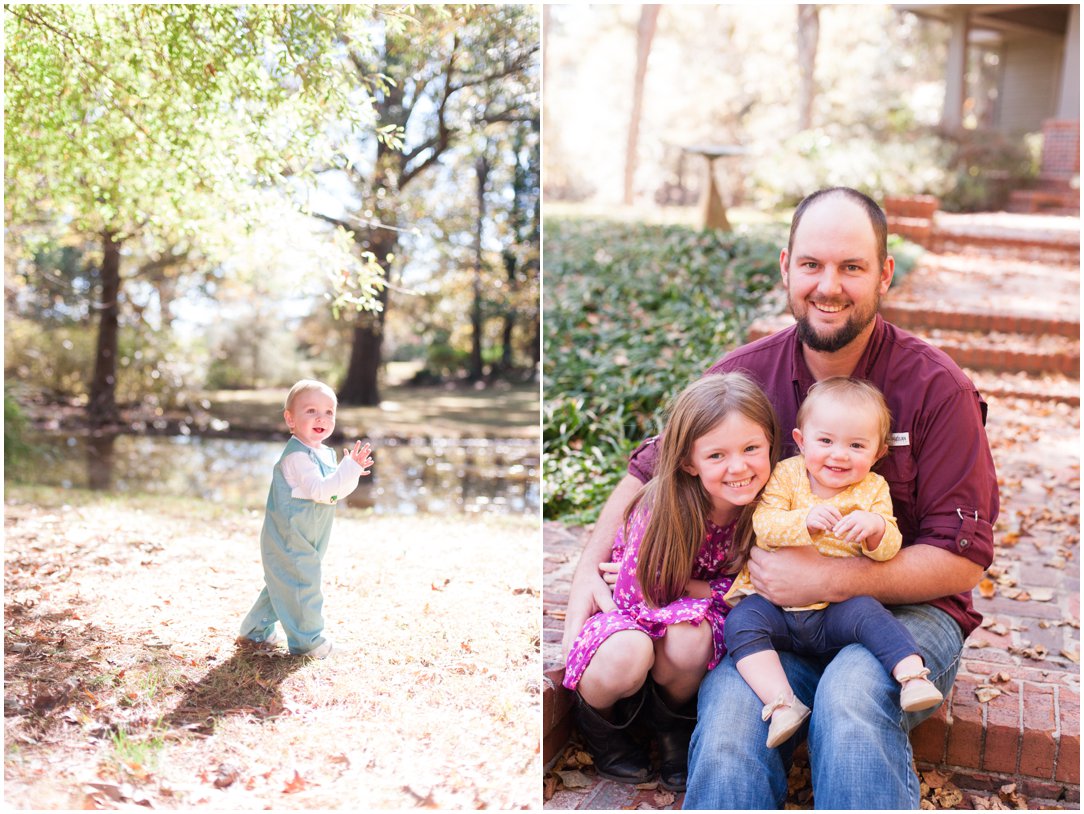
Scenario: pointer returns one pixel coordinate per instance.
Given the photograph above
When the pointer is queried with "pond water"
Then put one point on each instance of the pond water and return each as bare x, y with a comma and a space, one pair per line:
408, 477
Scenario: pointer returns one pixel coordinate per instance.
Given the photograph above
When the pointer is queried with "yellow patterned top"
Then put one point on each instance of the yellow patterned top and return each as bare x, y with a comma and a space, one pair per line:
779, 520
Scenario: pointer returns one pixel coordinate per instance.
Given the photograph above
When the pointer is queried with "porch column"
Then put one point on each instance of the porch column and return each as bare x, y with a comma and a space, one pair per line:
955, 70
1069, 88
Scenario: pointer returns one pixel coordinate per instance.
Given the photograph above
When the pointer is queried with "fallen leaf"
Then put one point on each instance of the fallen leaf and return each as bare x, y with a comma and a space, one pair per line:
987, 589
549, 788
1009, 795
574, 779
988, 803
296, 784
1042, 594
1009, 539
950, 797
999, 678
935, 779
225, 776
664, 798
1072, 655
985, 694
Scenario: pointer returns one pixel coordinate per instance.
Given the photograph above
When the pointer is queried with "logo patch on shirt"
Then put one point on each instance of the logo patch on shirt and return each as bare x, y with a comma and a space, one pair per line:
899, 439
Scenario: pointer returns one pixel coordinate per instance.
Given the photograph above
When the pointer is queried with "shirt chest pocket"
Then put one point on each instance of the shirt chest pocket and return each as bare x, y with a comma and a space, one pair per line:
898, 467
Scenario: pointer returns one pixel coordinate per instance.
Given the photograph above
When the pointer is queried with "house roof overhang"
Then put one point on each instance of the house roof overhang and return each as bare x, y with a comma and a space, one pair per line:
1003, 17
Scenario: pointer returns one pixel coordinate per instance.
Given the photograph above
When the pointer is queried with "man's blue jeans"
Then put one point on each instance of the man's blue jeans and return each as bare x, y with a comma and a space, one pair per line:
859, 751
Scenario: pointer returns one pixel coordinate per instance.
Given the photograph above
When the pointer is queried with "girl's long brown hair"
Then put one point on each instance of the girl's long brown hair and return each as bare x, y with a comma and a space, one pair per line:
679, 505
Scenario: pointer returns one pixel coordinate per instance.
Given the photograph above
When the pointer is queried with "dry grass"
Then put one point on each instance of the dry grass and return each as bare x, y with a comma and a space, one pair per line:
123, 684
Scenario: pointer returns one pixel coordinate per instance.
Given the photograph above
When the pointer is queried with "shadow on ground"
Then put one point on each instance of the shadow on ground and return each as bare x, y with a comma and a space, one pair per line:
249, 683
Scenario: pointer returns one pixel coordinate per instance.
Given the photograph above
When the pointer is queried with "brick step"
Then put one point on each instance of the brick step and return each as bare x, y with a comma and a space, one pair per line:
1028, 735
991, 351
1007, 234
1008, 352
912, 316
1045, 201
1006, 245
1030, 732
1046, 387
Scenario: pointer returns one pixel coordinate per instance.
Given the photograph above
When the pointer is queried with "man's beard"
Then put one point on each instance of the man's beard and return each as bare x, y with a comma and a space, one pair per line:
842, 337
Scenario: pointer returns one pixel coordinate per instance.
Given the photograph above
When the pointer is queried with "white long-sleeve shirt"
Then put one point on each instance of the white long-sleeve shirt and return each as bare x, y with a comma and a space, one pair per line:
307, 483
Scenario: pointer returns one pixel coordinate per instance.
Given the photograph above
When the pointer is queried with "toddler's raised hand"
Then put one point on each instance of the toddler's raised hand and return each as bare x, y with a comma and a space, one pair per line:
822, 517
360, 455
858, 526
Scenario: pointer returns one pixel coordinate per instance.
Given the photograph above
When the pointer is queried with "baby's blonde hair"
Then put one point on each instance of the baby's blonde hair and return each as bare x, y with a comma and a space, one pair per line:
856, 393
305, 385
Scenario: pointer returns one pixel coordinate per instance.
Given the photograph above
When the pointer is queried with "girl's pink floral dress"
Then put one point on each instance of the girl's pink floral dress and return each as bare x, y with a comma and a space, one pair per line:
632, 613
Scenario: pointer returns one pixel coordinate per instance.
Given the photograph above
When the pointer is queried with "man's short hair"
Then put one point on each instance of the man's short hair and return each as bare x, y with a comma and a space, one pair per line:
877, 217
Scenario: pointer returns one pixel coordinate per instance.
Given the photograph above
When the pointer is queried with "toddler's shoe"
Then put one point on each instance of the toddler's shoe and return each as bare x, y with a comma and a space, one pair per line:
918, 692
320, 651
786, 715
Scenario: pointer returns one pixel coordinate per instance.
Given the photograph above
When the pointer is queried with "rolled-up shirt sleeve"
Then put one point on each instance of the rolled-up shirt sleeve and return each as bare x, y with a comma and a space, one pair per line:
956, 492
307, 483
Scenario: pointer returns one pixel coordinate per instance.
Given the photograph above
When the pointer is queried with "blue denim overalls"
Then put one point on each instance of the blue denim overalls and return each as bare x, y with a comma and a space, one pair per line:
294, 537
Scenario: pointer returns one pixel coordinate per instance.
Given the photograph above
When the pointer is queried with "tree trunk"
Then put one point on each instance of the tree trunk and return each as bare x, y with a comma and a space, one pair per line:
102, 408
808, 34
481, 169
645, 32
361, 387
509, 312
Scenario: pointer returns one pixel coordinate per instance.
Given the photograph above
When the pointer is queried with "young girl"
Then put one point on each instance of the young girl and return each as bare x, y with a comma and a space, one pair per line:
686, 530
826, 497
305, 487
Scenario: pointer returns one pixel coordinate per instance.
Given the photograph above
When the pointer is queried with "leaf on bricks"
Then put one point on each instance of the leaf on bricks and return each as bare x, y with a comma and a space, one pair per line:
664, 798
935, 779
1009, 539
1009, 795
985, 693
997, 628
948, 797
1072, 655
987, 589
999, 678
1042, 594
982, 803
574, 780
549, 788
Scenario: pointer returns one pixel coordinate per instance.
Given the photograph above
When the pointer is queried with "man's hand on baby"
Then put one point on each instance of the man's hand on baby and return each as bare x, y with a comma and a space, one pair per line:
360, 455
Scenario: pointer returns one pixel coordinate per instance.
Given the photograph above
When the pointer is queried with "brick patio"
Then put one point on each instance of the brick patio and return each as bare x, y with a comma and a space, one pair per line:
1000, 295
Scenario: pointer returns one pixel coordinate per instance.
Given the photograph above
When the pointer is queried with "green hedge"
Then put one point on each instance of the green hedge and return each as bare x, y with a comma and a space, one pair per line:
633, 313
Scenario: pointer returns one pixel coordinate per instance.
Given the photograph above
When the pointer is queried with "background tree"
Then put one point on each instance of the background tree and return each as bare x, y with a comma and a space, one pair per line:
154, 121
445, 81
808, 32
645, 32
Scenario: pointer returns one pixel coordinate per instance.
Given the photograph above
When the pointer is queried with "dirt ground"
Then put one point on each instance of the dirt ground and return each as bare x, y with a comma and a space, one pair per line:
123, 684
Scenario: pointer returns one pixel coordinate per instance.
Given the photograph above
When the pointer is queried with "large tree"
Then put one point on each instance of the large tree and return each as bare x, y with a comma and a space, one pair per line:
151, 120
448, 78
645, 33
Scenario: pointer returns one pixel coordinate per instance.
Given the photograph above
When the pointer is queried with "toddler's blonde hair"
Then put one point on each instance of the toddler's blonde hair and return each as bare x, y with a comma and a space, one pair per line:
855, 393
305, 385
